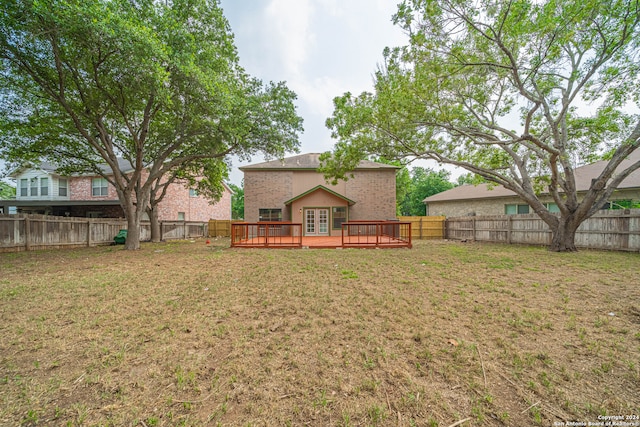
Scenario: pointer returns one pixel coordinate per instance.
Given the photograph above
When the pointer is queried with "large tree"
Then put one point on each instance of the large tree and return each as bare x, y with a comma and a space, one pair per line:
517, 92
86, 82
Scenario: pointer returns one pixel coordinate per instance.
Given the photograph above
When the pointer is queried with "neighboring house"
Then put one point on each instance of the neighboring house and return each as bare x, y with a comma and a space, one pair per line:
483, 199
293, 190
40, 190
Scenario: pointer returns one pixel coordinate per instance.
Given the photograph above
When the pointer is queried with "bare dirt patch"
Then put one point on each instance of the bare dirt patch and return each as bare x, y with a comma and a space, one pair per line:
190, 334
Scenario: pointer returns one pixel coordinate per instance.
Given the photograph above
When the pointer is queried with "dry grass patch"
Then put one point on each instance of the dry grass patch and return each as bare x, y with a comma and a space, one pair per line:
183, 333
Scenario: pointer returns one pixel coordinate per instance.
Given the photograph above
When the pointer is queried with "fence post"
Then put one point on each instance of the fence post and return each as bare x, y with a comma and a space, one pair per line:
474, 228
509, 228
89, 233
444, 228
421, 229
27, 234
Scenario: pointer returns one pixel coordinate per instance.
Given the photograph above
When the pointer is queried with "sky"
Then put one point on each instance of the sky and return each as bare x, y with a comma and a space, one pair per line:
320, 48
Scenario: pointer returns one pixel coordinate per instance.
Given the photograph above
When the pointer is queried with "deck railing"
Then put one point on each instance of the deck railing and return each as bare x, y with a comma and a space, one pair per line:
376, 234
266, 234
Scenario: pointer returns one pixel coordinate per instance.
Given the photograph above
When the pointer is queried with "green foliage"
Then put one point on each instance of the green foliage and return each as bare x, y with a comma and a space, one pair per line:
157, 83
494, 87
7, 191
469, 179
424, 183
625, 204
237, 202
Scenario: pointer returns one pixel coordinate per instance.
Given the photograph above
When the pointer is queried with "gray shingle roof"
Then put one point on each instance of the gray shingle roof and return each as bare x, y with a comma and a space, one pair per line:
49, 167
307, 161
584, 175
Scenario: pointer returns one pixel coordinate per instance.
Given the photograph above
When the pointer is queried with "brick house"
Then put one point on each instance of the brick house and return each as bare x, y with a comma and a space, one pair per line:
483, 199
40, 190
293, 190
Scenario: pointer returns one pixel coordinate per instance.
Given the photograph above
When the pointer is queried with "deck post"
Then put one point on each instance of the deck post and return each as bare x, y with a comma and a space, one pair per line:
266, 235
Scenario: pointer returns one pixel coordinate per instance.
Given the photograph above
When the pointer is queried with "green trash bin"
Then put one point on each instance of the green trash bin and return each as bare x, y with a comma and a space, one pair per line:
121, 237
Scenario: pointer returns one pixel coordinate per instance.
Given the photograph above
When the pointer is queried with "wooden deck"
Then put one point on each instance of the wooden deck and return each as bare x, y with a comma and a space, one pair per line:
378, 234
327, 242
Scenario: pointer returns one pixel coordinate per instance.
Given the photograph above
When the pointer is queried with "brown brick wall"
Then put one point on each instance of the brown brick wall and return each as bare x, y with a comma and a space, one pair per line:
374, 192
196, 208
457, 208
176, 200
266, 190
80, 189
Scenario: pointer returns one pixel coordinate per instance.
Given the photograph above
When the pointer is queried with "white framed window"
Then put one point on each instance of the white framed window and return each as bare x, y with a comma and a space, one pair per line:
339, 215
513, 209
62, 187
34, 187
99, 187
180, 216
44, 186
270, 215
24, 187
193, 192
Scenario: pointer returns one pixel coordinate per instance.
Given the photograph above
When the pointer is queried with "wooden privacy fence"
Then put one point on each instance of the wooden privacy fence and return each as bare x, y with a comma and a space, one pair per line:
219, 228
611, 230
30, 232
425, 227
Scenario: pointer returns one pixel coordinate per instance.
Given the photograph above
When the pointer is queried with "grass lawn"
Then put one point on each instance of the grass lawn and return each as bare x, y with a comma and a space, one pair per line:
191, 334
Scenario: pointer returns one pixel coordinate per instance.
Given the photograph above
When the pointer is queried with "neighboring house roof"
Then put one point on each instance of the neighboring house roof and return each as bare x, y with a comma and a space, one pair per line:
584, 175
309, 161
50, 168
46, 167
322, 188
123, 164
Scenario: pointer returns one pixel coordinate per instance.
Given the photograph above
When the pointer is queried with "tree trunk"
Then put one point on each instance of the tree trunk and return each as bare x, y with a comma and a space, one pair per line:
155, 224
133, 232
133, 223
564, 235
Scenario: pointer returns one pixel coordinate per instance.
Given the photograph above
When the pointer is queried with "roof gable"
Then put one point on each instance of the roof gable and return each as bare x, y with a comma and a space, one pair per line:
319, 188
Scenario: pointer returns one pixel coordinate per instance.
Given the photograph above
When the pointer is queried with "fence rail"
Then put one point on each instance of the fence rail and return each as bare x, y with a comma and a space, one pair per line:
376, 234
30, 232
266, 234
610, 230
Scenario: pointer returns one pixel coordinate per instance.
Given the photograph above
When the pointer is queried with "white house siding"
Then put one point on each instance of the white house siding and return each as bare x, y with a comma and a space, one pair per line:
52, 185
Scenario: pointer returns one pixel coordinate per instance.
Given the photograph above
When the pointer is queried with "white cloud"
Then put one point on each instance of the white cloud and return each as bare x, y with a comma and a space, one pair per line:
318, 94
289, 21
333, 7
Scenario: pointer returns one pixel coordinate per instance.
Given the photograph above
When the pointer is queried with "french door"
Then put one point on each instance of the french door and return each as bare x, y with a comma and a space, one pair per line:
316, 222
